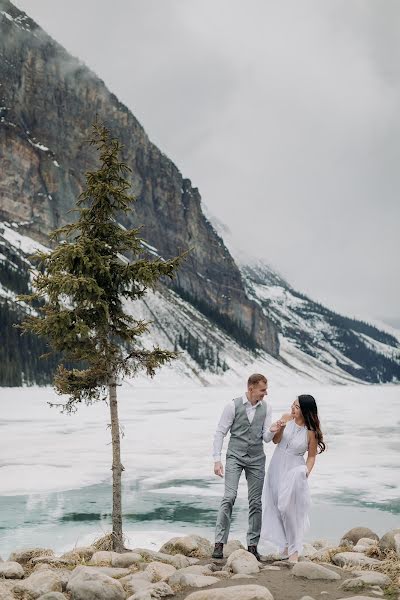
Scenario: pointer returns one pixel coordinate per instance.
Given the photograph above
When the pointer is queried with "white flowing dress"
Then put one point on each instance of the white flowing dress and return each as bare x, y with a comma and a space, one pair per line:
286, 495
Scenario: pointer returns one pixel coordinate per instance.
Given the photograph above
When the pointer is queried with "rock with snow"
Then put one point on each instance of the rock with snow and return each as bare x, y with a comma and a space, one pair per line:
242, 561
355, 534
11, 570
387, 541
353, 559
234, 592
189, 545
84, 584
310, 570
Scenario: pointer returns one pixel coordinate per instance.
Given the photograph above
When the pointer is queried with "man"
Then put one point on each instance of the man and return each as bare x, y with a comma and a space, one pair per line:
249, 419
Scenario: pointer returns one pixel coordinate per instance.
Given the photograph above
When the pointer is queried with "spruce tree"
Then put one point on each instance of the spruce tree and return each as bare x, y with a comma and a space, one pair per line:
79, 292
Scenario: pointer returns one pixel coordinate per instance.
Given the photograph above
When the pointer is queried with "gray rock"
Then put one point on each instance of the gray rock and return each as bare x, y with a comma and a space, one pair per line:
192, 580
387, 541
178, 560
355, 534
189, 545
84, 584
365, 579
135, 583
11, 570
306, 598
242, 576
6, 590
158, 571
311, 570
155, 591
175, 578
40, 583
232, 546
114, 572
353, 559
308, 550
242, 561
234, 592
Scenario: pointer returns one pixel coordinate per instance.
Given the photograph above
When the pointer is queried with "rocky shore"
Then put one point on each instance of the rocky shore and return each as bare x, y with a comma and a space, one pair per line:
361, 566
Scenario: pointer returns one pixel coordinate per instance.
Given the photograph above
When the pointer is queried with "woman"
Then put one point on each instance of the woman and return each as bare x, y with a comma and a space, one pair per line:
286, 496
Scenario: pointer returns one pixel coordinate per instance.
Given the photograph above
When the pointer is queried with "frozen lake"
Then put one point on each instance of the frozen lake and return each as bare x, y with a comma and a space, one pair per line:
55, 469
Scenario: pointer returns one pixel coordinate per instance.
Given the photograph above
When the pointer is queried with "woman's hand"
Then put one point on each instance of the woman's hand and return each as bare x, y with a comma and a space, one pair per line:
277, 426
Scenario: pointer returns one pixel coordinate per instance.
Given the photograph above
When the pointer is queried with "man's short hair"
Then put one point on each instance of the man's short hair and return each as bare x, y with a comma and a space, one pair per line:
256, 378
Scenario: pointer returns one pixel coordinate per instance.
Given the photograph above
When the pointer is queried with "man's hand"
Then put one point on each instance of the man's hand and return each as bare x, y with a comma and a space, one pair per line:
218, 468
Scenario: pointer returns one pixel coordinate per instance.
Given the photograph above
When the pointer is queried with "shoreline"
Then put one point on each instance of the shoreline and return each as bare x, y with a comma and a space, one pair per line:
360, 562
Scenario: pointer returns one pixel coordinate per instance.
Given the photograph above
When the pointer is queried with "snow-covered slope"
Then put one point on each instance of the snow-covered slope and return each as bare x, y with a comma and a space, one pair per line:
315, 343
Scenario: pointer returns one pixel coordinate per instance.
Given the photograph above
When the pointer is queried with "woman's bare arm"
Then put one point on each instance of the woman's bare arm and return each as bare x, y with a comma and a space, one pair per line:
312, 451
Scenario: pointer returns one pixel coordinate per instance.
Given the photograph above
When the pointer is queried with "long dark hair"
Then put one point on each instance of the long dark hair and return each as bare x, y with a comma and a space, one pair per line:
309, 410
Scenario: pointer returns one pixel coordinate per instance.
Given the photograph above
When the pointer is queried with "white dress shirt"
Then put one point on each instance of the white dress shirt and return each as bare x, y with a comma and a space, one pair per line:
227, 418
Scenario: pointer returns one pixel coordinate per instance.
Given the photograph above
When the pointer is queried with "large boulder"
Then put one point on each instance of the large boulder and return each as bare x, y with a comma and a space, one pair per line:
25, 555
40, 583
189, 545
84, 584
11, 570
234, 592
355, 534
353, 559
242, 561
310, 570
387, 541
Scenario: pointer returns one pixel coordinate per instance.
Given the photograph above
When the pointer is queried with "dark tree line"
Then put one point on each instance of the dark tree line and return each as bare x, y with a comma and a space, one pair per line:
202, 353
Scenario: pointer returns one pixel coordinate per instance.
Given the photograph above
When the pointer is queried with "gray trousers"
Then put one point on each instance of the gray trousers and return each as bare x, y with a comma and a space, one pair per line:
255, 471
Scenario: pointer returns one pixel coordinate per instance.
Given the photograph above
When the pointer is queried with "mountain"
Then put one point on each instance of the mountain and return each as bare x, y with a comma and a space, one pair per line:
224, 318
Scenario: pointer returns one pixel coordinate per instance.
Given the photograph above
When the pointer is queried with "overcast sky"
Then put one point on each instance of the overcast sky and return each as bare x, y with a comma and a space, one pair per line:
285, 115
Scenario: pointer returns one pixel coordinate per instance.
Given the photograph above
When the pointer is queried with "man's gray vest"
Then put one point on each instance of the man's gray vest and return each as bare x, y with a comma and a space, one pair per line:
246, 438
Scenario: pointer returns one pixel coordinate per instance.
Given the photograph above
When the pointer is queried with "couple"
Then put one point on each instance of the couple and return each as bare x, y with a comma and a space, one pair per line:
285, 496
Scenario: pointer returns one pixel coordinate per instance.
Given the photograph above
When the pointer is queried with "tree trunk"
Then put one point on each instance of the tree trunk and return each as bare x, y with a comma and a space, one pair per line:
117, 469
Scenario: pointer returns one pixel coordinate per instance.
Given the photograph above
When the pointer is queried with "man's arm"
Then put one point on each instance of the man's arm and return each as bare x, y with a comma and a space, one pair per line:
267, 434
224, 425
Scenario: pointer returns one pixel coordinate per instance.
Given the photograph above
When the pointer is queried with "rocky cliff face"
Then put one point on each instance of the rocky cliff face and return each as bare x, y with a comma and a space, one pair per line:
48, 101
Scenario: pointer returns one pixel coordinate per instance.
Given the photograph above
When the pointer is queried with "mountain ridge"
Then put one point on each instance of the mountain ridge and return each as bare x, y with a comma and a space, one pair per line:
242, 314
